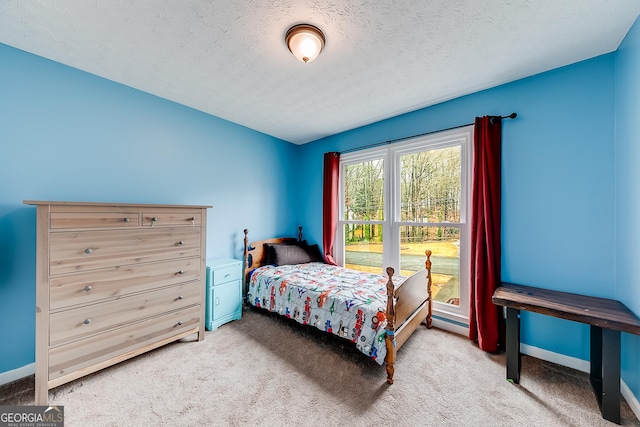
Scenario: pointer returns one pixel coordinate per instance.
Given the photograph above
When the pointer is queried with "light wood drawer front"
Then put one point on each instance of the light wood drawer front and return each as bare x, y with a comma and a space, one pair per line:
114, 282
115, 343
89, 250
95, 318
171, 218
224, 275
94, 219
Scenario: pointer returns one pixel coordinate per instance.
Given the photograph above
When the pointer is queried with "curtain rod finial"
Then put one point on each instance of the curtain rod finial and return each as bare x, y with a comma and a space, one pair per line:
510, 116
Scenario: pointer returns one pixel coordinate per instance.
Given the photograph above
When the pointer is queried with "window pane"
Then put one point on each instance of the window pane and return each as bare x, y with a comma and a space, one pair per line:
363, 247
444, 243
430, 185
363, 191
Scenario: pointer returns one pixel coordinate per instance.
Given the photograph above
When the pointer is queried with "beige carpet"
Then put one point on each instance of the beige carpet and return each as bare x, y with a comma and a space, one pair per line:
263, 371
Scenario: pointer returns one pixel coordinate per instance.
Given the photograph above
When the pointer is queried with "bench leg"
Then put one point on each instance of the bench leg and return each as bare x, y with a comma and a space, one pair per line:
513, 345
596, 356
605, 371
611, 375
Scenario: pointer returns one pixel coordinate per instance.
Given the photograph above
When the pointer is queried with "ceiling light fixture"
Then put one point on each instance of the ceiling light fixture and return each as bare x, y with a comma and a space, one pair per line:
305, 42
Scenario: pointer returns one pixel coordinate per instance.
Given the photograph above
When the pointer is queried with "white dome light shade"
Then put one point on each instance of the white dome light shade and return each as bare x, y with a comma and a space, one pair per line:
305, 42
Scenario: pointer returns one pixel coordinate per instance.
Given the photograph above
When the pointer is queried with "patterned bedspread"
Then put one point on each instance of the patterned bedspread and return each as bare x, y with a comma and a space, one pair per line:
347, 303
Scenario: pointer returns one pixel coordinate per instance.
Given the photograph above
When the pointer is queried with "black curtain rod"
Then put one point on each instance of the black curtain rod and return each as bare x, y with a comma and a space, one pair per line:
391, 141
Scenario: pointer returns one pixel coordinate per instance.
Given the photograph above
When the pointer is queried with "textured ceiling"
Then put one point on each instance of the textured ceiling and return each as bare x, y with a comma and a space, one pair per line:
382, 57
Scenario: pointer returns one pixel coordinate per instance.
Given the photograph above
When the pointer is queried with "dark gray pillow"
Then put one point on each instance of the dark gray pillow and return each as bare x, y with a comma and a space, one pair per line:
314, 253
269, 255
290, 254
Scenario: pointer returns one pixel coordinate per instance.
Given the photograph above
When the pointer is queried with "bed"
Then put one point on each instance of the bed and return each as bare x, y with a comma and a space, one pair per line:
377, 313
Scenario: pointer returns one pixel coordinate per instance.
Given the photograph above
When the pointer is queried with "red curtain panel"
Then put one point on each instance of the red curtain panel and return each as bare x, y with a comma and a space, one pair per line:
485, 320
330, 204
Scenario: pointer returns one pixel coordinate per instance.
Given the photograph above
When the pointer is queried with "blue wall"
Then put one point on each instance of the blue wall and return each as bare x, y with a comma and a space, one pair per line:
627, 180
69, 135
558, 183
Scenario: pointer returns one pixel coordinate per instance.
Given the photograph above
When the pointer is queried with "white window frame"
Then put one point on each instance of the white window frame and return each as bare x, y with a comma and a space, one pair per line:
391, 155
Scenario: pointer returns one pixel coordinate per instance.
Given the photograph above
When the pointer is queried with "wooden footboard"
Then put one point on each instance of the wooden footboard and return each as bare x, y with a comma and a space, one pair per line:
408, 306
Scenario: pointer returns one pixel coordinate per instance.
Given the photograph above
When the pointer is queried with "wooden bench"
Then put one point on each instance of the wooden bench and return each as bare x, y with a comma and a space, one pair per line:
607, 319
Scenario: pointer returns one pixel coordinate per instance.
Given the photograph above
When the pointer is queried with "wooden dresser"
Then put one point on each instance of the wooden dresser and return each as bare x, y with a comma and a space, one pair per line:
114, 281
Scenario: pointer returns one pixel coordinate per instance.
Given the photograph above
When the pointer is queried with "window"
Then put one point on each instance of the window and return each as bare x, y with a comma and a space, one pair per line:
398, 201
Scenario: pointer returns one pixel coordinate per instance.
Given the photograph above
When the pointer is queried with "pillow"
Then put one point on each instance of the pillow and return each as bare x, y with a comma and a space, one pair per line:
269, 257
290, 254
268, 253
314, 253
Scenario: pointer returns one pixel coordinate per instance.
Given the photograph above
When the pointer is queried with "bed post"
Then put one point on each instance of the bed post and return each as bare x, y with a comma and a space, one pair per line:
246, 265
390, 339
427, 265
299, 233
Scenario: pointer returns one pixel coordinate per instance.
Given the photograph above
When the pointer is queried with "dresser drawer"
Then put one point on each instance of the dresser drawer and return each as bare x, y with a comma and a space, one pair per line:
224, 275
75, 251
96, 318
91, 287
59, 220
132, 338
161, 219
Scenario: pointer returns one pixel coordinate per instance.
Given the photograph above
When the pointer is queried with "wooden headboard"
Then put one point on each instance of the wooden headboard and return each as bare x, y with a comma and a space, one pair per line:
254, 255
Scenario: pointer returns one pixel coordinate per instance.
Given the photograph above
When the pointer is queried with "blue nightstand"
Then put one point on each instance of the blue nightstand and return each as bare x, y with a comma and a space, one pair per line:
224, 292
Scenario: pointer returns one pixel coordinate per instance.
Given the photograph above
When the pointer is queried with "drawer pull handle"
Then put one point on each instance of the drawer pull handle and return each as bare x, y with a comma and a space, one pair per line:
179, 323
88, 251
87, 321
125, 219
181, 242
192, 219
181, 272
180, 297
227, 275
87, 288
153, 221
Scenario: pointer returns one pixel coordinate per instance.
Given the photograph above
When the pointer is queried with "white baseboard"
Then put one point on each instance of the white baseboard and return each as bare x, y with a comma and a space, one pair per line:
16, 374
450, 326
580, 365
631, 398
557, 358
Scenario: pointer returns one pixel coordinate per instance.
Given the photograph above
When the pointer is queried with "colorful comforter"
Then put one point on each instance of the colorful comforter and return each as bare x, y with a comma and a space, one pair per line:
347, 303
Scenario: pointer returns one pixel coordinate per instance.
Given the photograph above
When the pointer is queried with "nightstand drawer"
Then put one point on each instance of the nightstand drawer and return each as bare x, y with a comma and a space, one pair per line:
224, 275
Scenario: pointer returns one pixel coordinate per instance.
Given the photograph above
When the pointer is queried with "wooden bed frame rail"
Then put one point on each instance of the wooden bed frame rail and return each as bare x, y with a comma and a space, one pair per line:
407, 306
